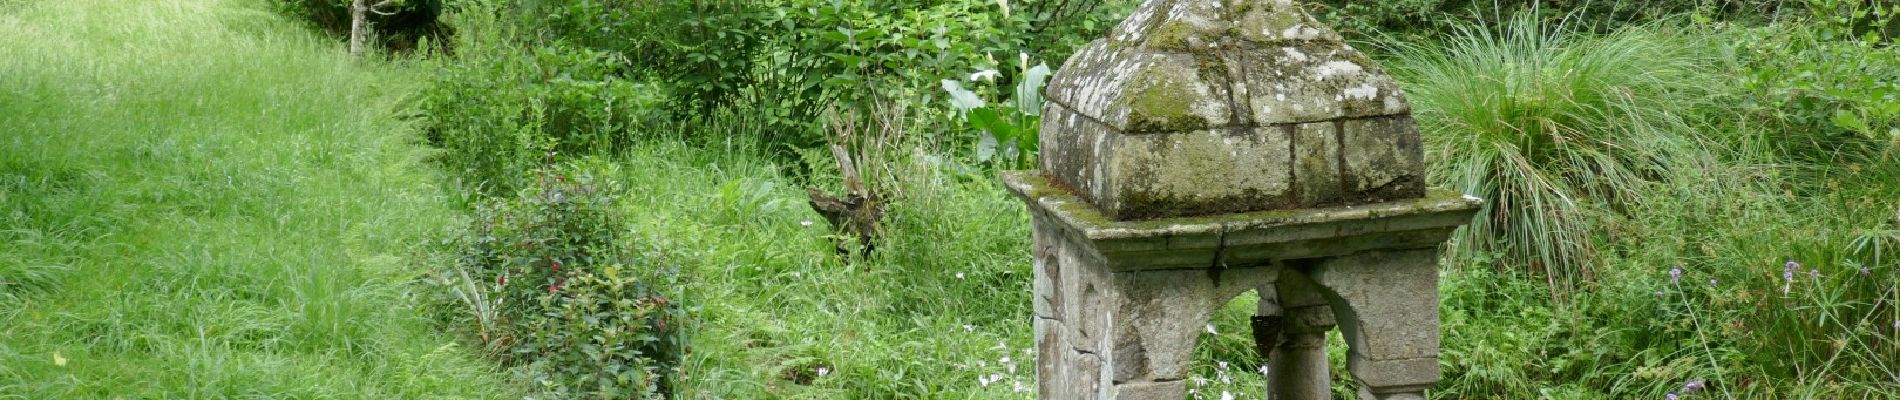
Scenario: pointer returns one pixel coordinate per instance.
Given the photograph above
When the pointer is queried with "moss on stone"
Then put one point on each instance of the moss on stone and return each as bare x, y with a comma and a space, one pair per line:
1171, 36
1162, 104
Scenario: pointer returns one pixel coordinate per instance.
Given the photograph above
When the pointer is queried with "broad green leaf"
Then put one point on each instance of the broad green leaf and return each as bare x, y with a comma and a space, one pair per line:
963, 99
985, 146
1029, 90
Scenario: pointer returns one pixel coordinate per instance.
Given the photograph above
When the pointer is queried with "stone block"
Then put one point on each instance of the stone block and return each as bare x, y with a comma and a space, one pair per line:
1402, 373
1083, 376
1051, 357
1085, 300
1317, 81
1383, 158
1316, 163
1141, 92
1170, 390
1387, 302
1206, 171
1047, 268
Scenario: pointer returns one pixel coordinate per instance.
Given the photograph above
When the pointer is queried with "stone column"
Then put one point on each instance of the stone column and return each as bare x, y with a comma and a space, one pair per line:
1297, 366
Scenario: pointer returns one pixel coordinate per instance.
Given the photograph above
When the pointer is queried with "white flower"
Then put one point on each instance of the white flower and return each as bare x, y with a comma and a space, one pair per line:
1226, 395
969, 328
1020, 387
804, 223
988, 74
1210, 330
822, 371
959, 275
1004, 360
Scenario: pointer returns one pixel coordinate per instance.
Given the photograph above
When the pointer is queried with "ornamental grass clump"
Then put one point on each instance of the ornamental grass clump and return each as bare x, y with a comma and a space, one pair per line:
1550, 127
563, 296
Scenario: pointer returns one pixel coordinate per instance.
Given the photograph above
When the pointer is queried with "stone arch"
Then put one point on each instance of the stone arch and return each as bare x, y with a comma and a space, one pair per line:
1225, 355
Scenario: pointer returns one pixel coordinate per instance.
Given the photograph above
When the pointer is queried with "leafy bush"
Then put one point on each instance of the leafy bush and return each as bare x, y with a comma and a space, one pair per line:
1009, 132
498, 107
706, 49
1826, 88
1544, 125
573, 304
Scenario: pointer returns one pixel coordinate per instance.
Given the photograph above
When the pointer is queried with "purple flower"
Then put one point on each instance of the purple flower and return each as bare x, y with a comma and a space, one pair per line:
1671, 396
1711, 282
1787, 270
1675, 275
1692, 386
1864, 271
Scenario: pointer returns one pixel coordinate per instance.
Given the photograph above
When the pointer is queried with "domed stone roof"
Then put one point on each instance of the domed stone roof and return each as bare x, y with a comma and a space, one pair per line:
1196, 107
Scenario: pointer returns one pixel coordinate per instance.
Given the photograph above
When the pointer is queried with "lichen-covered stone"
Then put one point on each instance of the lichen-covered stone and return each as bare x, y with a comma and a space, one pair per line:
1127, 116
1211, 147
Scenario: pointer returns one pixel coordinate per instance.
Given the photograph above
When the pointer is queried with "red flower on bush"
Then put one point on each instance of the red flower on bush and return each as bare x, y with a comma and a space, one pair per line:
556, 287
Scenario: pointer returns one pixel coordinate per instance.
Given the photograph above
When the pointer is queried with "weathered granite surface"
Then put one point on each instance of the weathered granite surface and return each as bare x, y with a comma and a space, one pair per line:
1197, 107
1207, 148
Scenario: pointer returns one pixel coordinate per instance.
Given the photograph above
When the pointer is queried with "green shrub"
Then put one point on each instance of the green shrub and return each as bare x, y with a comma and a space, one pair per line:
705, 49
574, 306
499, 107
1823, 89
1548, 126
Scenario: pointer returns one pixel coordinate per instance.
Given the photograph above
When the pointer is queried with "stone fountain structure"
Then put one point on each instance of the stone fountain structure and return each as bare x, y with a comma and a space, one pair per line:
1211, 147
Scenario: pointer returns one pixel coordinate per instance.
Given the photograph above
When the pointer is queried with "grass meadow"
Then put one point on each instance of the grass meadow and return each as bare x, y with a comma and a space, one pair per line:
200, 199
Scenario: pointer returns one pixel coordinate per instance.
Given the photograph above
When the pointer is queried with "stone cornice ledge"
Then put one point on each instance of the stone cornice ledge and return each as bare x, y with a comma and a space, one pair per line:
1245, 239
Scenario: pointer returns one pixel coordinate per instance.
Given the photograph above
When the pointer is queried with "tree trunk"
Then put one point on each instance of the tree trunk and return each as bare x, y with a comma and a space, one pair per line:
359, 26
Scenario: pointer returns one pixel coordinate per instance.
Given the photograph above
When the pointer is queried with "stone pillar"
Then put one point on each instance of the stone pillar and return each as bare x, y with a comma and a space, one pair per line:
1209, 147
1296, 364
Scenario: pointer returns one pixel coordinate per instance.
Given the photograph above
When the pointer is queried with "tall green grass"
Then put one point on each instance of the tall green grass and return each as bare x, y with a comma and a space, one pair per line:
201, 200
780, 316
1551, 126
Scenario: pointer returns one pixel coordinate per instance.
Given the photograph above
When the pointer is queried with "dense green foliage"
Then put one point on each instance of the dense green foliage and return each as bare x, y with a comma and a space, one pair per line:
788, 61
199, 199
499, 114
569, 296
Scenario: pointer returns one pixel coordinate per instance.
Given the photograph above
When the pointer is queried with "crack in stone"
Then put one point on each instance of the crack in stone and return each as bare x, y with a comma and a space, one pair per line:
1219, 263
